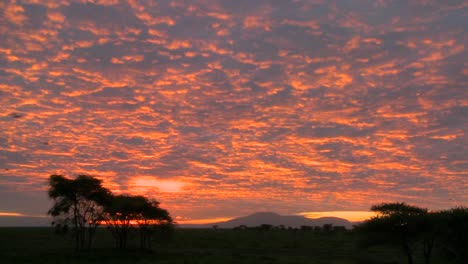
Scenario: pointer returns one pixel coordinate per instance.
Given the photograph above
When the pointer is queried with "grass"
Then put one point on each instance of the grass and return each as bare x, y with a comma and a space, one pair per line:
196, 246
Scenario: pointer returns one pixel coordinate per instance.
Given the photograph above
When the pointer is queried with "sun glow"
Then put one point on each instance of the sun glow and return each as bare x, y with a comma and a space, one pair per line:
144, 184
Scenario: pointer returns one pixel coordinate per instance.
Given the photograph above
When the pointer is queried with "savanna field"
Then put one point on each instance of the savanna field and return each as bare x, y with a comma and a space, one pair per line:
202, 246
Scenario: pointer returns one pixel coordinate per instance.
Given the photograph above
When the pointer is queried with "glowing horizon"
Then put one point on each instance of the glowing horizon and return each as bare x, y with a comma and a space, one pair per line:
203, 221
221, 108
10, 214
352, 216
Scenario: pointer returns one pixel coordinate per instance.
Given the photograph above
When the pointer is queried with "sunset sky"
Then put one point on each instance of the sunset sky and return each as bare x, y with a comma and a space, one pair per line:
221, 108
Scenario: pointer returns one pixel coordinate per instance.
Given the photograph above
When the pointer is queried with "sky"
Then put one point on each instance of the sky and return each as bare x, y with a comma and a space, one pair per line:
221, 108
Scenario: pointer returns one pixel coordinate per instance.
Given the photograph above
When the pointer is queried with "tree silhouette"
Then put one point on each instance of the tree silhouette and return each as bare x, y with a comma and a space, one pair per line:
397, 223
78, 202
153, 219
397, 209
406, 225
327, 228
453, 226
126, 212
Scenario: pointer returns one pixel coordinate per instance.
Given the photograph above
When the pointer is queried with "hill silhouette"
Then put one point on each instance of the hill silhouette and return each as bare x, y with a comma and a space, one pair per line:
275, 219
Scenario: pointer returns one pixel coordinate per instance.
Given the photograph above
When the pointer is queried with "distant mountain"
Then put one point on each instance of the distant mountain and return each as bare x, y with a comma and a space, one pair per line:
275, 219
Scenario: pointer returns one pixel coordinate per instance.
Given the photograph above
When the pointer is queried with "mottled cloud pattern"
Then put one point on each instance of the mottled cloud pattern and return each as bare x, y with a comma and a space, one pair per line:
220, 108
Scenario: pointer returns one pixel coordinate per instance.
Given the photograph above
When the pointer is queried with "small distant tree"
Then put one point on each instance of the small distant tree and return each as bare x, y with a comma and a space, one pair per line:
317, 229
339, 229
78, 202
327, 228
265, 227
241, 227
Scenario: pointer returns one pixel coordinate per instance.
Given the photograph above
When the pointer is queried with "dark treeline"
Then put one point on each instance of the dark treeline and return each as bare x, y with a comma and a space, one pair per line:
83, 204
326, 228
417, 230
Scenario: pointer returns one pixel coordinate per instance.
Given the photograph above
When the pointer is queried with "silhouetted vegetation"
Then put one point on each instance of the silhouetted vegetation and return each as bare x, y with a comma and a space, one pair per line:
414, 229
84, 204
126, 212
79, 202
451, 229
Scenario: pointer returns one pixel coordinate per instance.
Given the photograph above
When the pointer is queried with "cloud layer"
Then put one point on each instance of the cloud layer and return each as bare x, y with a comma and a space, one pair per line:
219, 108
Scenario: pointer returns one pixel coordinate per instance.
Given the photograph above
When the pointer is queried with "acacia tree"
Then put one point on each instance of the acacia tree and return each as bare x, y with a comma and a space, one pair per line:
153, 219
399, 223
120, 213
126, 212
453, 226
79, 202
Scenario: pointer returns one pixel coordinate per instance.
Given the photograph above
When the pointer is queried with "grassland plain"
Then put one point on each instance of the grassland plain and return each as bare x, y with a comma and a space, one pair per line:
198, 246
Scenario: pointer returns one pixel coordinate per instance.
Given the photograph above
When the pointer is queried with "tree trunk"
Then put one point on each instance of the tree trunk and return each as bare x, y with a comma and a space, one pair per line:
82, 235
124, 237
75, 222
145, 237
91, 231
409, 254
142, 238
149, 243
428, 246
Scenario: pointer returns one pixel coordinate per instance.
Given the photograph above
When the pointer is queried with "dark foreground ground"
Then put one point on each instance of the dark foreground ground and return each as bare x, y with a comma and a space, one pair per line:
198, 246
